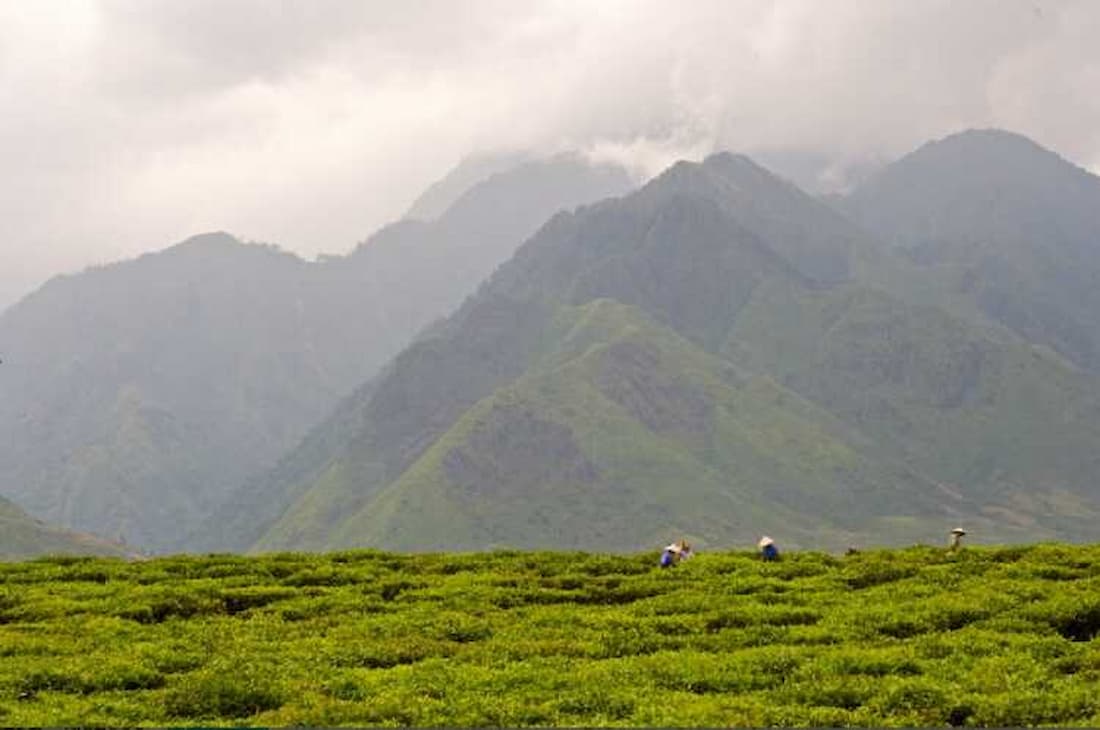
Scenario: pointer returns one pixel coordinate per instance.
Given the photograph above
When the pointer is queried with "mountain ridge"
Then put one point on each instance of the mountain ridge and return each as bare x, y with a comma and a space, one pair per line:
22, 536
696, 250
136, 396
995, 227
713, 354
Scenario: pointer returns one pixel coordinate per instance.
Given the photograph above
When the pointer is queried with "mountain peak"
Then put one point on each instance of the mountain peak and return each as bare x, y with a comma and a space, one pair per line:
979, 158
744, 172
210, 240
443, 193
1011, 228
219, 244
526, 186
813, 238
968, 176
732, 162
995, 148
990, 138
724, 176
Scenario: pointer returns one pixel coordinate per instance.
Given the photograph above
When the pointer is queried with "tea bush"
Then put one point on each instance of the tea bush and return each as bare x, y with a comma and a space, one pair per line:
917, 636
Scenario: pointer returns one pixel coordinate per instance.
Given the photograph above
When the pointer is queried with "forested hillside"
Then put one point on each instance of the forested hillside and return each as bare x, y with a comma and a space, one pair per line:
22, 536
747, 362
136, 397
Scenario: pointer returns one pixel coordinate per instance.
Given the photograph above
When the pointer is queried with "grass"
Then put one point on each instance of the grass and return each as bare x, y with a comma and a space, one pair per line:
916, 636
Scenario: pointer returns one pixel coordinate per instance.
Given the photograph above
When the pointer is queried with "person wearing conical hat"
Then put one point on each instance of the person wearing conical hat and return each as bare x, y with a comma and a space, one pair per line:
956, 538
675, 553
768, 550
671, 555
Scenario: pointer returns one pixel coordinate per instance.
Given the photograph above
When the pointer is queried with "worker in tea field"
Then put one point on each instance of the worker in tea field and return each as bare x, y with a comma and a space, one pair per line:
670, 555
674, 553
768, 550
956, 539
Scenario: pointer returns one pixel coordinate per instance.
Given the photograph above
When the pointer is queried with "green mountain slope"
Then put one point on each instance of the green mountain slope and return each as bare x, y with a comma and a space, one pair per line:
892, 418
644, 435
22, 536
131, 395
574, 258
991, 224
1012, 425
136, 398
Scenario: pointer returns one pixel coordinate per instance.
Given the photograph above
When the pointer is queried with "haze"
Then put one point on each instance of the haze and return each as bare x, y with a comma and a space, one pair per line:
127, 125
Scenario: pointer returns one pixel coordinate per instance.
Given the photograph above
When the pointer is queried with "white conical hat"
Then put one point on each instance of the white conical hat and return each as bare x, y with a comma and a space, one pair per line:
958, 531
765, 541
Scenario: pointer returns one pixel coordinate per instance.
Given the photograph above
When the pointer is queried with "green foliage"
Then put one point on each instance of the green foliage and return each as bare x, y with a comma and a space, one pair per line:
1024, 258
224, 689
138, 396
911, 637
22, 536
780, 374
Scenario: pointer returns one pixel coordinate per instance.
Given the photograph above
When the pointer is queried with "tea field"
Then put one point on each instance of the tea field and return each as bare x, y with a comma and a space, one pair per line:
915, 636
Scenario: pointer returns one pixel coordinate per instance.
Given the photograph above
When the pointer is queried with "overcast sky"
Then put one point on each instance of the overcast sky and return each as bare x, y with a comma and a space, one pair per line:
128, 125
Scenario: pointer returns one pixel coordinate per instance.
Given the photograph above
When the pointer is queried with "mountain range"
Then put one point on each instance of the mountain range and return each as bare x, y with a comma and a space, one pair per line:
135, 396
714, 355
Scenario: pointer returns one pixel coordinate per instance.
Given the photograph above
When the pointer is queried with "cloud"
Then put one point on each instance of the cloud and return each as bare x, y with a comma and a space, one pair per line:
130, 124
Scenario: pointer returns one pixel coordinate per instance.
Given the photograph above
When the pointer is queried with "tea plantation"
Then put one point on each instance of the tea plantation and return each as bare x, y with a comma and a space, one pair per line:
917, 636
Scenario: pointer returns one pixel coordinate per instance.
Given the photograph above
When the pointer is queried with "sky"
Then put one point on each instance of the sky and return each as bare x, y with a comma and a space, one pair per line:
129, 125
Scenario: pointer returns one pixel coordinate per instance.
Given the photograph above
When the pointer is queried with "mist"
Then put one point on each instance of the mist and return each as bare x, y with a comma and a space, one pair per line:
127, 125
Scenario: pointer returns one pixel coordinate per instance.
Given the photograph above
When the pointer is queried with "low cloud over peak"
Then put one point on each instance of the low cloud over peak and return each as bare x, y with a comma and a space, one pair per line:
129, 124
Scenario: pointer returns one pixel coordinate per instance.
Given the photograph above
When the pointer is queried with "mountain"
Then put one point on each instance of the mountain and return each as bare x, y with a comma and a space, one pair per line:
712, 355
443, 193
1011, 425
623, 433
22, 536
133, 394
491, 338
998, 227
415, 271
135, 397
